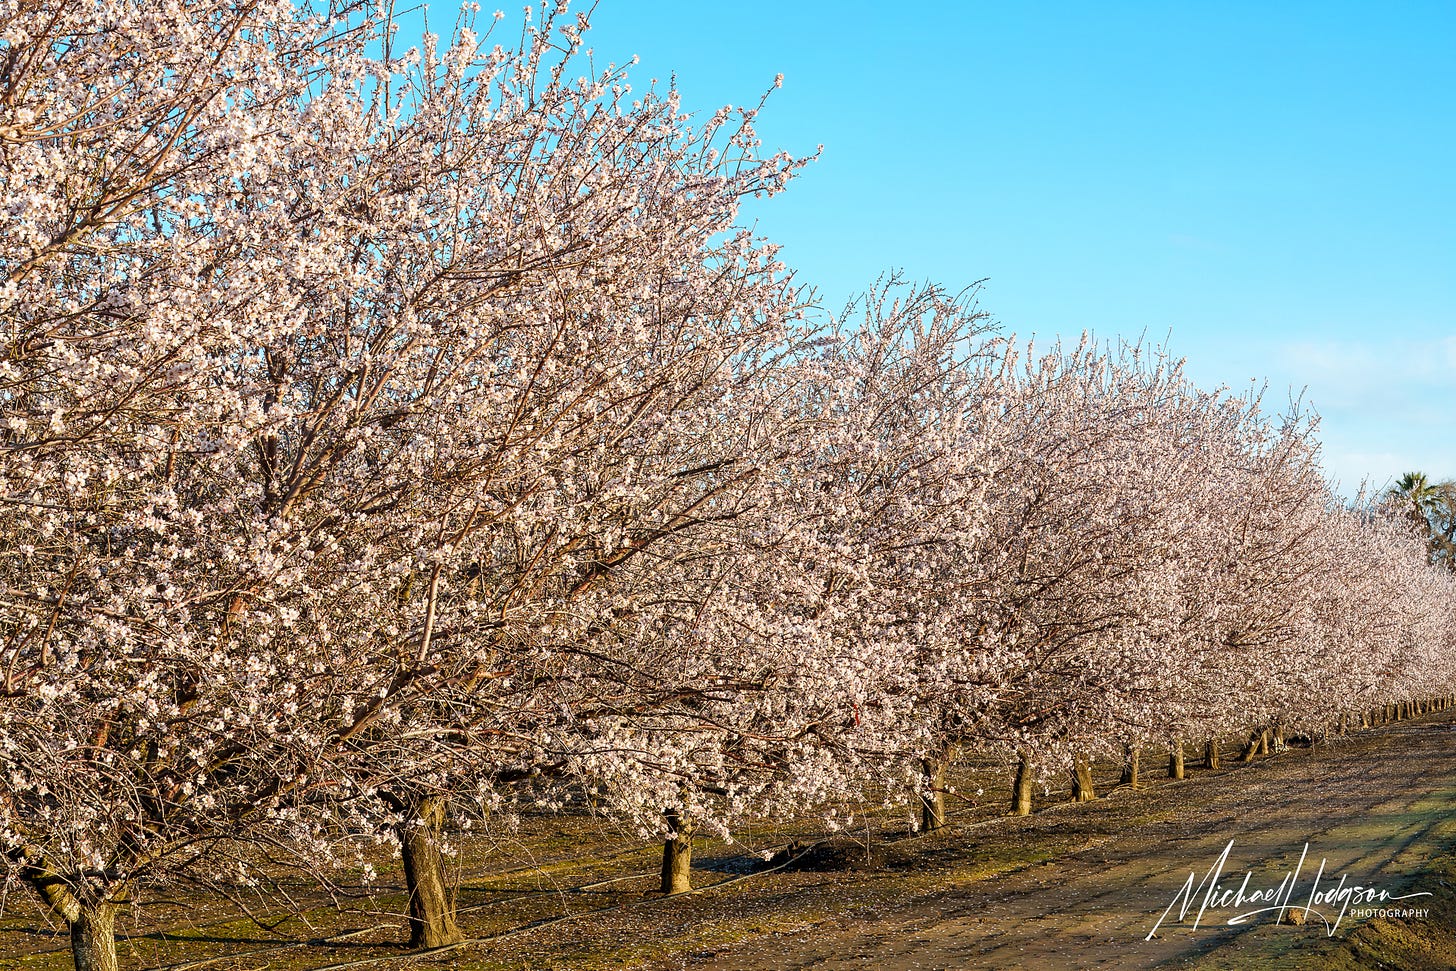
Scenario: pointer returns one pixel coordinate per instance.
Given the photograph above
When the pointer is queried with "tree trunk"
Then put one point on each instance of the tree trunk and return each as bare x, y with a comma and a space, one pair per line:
1279, 745
932, 798
431, 905
1210, 754
677, 855
93, 938
677, 864
1175, 760
1021, 792
1082, 790
1129, 766
92, 926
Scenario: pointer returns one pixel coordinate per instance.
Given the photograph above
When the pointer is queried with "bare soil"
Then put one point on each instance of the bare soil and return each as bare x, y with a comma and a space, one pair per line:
1072, 886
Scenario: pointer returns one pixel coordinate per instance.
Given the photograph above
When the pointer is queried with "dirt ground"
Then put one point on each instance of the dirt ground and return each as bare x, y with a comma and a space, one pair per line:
1073, 886
1376, 810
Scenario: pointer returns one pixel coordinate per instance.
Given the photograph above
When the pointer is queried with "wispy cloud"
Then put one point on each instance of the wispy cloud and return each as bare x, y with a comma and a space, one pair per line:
1388, 405
1374, 373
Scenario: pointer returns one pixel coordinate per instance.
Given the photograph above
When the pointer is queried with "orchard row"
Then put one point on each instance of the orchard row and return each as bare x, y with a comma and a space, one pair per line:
394, 433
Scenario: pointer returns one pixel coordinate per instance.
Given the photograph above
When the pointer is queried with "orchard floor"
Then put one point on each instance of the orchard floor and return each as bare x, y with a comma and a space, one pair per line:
1072, 886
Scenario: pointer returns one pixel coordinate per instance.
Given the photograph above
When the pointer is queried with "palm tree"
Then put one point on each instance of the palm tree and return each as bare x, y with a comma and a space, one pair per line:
1431, 509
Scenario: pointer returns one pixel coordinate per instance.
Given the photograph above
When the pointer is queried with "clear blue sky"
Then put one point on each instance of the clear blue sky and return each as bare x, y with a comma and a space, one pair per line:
1272, 186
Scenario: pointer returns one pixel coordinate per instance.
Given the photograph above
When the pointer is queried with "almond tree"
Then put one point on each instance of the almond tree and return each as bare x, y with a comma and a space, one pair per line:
334, 386
1059, 611
116, 120
790, 624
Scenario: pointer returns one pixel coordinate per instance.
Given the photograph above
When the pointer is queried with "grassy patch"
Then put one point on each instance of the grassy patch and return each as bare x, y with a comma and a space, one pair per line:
1409, 944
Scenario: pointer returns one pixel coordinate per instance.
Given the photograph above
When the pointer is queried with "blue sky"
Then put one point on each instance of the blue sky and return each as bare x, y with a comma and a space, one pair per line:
1271, 187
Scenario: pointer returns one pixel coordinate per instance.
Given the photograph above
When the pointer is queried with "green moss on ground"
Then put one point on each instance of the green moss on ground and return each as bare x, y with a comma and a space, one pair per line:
1409, 944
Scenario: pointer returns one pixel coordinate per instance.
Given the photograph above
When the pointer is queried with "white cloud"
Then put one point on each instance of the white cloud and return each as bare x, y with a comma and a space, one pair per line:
1387, 406
1356, 373
1349, 469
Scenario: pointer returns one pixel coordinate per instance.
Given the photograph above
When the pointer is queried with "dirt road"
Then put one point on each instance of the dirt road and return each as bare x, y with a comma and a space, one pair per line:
1071, 887
1372, 809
